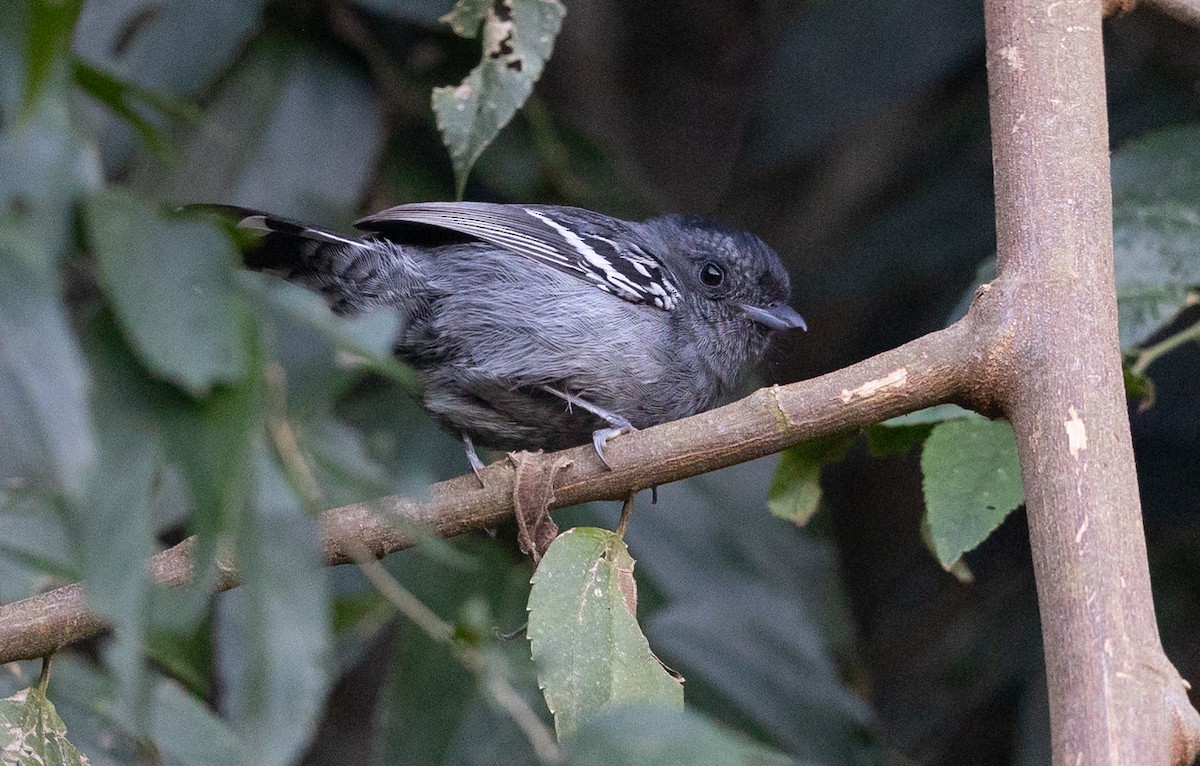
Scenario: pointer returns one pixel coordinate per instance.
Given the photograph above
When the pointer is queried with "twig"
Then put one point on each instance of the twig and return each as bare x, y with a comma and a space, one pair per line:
499, 688
930, 370
1151, 354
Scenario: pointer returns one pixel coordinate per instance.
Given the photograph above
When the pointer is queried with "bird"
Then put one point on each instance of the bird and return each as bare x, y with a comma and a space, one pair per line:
541, 327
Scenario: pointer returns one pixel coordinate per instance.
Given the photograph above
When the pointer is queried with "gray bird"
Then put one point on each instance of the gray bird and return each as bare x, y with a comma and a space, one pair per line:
538, 326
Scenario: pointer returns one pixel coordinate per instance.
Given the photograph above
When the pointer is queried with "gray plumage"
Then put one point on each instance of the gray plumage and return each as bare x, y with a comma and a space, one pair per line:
508, 310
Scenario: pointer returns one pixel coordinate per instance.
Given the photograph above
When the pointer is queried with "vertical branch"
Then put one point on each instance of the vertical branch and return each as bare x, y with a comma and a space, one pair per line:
1114, 697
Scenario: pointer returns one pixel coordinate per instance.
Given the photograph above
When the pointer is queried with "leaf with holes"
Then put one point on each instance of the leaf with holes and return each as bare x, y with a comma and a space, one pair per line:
583, 629
31, 732
518, 36
972, 482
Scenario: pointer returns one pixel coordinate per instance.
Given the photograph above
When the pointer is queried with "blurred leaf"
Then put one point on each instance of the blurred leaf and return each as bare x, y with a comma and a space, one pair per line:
972, 481
34, 544
32, 733
292, 130
796, 489
583, 630
50, 25
518, 37
115, 521
762, 643
431, 708
171, 284
45, 432
131, 102
47, 162
273, 646
210, 441
1137, 385
652, 735
183, 731
1157, 262
173, 46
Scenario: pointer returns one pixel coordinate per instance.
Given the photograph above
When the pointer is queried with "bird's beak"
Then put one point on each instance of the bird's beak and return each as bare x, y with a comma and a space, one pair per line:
776, 316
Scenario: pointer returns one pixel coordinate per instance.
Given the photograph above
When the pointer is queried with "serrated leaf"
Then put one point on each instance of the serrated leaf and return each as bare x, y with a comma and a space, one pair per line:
972, 481
650, 735
31, 732
518, 37
583, 629
171, 282
796, 489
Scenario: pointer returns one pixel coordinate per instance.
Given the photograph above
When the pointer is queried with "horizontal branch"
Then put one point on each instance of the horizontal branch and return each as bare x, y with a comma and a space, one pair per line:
930, 370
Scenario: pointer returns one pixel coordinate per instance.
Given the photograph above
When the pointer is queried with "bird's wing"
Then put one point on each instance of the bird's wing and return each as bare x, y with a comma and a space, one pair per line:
268, 223
594, 248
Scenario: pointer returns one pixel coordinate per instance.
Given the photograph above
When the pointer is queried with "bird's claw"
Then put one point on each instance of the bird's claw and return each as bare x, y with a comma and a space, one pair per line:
601, 436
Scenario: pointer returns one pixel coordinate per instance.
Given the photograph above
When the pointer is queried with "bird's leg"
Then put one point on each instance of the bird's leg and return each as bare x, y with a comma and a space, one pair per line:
618, 424
473, 458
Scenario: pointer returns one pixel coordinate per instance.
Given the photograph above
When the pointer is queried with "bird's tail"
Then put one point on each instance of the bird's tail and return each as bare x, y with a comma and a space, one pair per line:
353, 273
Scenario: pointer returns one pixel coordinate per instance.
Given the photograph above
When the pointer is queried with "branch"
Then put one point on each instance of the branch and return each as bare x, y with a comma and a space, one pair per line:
1114, 696
930, 370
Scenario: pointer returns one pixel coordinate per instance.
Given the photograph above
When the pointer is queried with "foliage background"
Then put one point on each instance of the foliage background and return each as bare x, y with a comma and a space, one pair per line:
852, 136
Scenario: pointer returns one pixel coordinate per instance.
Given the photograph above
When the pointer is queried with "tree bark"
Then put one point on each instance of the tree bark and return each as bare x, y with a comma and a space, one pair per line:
1114, 696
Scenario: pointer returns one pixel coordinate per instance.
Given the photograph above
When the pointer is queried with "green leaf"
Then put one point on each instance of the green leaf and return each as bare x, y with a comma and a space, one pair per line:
650, 735
292, 130
584, 633
972, 481
1156, 229
902, 433
50, 25
773, 663
518, 37
46, 437
183, 730
796, 490
34, 544
170, 46
130, 102
116, 518
171, 283
273, 647
431, 708
31, 732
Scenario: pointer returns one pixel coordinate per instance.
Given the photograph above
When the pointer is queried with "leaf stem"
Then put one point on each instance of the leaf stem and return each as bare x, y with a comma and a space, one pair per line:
44, 676
626, 512
1152, 354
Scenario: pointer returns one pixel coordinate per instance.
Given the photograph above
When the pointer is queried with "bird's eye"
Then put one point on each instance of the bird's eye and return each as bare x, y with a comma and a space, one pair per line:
711, 274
